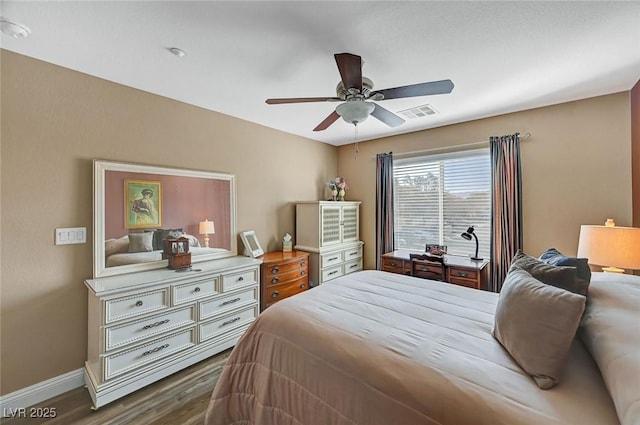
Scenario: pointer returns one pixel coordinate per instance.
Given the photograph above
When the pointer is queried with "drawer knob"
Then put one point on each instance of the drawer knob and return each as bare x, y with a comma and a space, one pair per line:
275, 279
463, 274
302, 285
155, 350
275, 269
235, 300
302, 273
302, 263
393, 264
240, 279
275, 294
228, 322
197, 289
139, 303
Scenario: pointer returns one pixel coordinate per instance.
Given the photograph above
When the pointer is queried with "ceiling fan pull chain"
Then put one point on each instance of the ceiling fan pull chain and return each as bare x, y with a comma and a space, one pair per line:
356, 141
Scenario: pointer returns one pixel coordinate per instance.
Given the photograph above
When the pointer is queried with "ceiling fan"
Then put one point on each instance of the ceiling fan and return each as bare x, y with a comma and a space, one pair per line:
357, 93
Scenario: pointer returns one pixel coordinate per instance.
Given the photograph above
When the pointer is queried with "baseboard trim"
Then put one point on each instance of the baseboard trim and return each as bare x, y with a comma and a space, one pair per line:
42, 391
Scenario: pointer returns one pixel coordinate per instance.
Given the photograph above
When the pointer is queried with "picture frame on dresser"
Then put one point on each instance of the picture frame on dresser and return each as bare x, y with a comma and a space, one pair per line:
252, 246
208, 194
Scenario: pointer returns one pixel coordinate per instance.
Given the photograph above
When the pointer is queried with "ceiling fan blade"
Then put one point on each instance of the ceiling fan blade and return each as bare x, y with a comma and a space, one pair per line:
386, 116
302, 100
327, 121
350, 67
422, 89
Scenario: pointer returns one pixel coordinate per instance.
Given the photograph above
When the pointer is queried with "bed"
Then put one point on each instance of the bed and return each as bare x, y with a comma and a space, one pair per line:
125, 258
375, 348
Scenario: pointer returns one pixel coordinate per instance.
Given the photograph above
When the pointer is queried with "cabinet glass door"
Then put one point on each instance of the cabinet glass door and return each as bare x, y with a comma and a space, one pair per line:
349, 223
330, 225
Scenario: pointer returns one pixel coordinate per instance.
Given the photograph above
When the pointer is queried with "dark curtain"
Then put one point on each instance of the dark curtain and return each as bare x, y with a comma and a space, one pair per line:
384, 206
506, 206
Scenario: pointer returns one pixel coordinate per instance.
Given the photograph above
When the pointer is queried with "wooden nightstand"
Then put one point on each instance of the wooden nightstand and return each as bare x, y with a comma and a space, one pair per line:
283, 274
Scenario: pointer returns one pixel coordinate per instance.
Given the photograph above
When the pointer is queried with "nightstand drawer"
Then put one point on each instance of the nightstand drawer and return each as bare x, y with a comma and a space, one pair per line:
136, 305
332, 273
284, 277
227, 323
463, 273
277, 292
119, 363
327, 260
194, 291
279, 269
237, 280
120, 335
220, 305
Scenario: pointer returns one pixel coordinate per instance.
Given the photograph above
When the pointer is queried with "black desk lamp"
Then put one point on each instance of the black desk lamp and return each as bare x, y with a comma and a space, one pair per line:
467, 235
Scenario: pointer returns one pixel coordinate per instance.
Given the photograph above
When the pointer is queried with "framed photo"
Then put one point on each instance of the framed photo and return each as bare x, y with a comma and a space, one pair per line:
252, 247
438, 250
143, 204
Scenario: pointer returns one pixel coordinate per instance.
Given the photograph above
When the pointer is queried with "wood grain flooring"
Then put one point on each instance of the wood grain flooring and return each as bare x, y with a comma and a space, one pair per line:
181, 398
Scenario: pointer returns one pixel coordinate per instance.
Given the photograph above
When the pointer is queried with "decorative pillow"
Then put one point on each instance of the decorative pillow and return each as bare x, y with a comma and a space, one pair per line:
161, 234
140, 242
559, 276
536, 324
554, 257
115, 246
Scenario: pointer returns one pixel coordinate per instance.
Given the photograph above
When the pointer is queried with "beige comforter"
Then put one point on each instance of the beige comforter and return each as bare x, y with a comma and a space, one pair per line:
374, 348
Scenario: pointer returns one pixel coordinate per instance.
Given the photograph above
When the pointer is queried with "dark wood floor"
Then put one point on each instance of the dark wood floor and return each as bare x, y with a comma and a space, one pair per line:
181, 398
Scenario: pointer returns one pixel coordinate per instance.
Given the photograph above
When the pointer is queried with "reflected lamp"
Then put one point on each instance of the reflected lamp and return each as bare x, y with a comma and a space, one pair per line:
206, 228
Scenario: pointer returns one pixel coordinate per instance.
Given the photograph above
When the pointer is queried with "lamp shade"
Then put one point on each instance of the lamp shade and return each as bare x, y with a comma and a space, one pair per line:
207, 228
610, 246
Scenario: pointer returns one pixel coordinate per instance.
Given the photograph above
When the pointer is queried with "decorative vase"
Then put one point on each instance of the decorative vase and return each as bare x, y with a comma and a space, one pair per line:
341, 195
334, 194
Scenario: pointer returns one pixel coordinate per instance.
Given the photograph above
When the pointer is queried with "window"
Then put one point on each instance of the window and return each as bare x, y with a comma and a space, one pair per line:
437, 197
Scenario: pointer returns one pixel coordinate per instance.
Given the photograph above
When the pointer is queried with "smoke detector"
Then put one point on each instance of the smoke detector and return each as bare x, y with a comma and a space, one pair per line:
14, 29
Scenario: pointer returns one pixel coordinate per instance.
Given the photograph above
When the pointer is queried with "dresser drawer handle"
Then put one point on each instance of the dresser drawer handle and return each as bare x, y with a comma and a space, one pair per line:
393, 264
351, 254
463, 274
333, 272
275, 279
154, 324
155, 350
333, 258
275, 269
235, 300
424, 269
197, 289
228, 322
139, 303
302, 273
302, 263
353, 266
302, 285
240, 279
275, 294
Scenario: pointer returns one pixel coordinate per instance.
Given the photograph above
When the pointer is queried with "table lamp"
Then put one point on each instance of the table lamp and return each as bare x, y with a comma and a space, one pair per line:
612, 247
467, 235
206, 229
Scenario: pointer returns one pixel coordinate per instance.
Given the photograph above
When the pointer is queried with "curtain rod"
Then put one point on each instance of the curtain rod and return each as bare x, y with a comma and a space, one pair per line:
484, 142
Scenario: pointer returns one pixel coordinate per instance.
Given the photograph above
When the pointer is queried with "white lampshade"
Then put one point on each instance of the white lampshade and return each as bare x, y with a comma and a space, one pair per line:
610, 246
207, 228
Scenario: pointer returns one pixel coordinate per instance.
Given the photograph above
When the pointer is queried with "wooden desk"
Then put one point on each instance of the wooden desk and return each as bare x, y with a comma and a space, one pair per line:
459, 270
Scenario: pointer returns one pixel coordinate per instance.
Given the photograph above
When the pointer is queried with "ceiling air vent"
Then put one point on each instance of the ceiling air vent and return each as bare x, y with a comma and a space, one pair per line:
418, 112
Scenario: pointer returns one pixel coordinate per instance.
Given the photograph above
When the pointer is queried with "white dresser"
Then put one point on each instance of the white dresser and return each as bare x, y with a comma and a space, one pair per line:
329, 231
145, 326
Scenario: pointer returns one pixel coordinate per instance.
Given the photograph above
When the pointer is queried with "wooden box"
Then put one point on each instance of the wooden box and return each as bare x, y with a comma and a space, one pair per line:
176, 251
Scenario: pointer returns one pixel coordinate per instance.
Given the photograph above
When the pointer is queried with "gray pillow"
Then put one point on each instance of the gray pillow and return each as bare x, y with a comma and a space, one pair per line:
161, 234
140, 242
558, 276
583, 271
536, 324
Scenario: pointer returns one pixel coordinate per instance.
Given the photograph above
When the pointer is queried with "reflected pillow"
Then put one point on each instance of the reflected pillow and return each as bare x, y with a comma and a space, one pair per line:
161, 234
554, 257
140, 242
193, 241
536, 324
116, 246
558, 276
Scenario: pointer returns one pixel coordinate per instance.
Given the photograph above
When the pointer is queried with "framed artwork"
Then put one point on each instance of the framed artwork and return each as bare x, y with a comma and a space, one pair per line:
143, 204
252, 247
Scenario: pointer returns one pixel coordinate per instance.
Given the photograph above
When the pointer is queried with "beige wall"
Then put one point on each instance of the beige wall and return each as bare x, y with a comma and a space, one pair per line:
635, 151
54, 122
576, 167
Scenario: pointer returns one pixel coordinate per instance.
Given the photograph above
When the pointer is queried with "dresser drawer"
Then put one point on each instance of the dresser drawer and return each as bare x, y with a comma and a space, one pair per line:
227, 323
237, 280
331, 273
136, 305
352, 254
278, 292
428, 271
120, 335
221, 305
284, 277
327, 260
279, 269
194, 291
392, 265
465, 282
353, 266
463, 273
142, 355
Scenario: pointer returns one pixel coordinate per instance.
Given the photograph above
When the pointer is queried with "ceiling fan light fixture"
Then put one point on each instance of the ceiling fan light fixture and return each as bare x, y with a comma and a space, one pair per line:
356, 111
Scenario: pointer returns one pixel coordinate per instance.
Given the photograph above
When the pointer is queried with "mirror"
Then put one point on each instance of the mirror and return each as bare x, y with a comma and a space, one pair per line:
136, 207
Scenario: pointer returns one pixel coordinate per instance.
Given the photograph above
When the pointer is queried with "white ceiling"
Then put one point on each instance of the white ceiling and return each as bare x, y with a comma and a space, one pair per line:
502, 56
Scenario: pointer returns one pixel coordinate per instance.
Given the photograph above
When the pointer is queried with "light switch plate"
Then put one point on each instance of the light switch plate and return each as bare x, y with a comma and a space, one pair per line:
71, 235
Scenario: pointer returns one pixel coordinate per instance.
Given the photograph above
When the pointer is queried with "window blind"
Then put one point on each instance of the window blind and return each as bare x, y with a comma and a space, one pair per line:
437, 197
